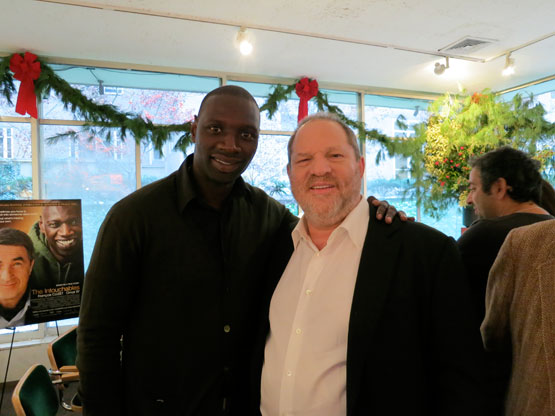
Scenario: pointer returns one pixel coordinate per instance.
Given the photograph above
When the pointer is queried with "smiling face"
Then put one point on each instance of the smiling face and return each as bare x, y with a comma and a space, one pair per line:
63, 230
15, 269
225, 134
324, 173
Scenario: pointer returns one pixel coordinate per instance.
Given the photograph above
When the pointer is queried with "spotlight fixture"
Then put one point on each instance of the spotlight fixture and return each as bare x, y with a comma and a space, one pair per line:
440, 68
509, 66
245, 45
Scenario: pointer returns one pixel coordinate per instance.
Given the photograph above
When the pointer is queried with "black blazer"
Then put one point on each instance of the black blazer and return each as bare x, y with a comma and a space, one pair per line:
412, 346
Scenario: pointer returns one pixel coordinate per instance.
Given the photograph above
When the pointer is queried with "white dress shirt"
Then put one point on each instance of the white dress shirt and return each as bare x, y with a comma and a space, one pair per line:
305, 358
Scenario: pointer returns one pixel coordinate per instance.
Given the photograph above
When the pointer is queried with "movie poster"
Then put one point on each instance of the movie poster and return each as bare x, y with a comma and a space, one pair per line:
41, 261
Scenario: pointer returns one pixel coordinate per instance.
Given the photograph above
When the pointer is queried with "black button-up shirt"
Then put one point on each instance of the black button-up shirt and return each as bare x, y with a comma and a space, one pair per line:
181, 282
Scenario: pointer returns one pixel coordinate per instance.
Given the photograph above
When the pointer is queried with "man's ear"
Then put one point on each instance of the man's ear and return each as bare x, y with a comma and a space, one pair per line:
289, 170
500, 188
194, 126
362, 166
41, 225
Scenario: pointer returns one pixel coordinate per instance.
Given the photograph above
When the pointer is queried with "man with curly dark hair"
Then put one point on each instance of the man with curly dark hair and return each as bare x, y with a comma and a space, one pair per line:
506, 191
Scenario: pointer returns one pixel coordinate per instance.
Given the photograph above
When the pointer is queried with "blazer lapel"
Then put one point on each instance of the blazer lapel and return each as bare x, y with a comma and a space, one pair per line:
375, 272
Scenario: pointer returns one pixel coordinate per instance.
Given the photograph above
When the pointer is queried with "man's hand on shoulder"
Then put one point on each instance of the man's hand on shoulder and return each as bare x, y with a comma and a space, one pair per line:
387, 211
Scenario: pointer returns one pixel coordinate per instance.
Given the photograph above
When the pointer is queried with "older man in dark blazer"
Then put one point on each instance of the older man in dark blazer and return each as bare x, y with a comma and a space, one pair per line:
367, 318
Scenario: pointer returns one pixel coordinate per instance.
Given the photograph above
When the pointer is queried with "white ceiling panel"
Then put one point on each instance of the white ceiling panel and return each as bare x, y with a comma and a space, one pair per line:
200, 35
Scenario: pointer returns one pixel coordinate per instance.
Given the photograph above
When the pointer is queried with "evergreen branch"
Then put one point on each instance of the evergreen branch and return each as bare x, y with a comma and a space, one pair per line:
6, 79
101, 118
279, 93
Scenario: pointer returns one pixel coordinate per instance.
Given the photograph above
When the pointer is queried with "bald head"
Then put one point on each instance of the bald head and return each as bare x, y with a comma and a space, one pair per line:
228, 90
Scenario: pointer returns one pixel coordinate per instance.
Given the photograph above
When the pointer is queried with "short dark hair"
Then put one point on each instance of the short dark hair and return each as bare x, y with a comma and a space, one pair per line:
520, 171
13, 237
351, 137
231, 90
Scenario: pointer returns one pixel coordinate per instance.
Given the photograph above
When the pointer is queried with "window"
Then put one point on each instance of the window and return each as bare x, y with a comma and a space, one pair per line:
543, 93
389, 177
15, 161
6, 143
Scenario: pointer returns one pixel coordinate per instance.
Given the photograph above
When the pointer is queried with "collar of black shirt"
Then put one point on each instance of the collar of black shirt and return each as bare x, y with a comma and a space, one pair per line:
187, 190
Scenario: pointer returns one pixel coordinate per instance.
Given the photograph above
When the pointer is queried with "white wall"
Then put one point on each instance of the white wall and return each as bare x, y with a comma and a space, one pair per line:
24, 354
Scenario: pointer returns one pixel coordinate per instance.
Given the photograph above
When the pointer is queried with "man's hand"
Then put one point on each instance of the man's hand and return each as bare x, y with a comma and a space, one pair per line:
389, 210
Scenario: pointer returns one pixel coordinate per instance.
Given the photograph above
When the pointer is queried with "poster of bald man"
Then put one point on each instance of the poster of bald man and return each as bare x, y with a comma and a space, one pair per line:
41, 261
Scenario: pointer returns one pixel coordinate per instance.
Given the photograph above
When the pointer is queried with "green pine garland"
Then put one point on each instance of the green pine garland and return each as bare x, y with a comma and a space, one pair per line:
101, 118
282, 93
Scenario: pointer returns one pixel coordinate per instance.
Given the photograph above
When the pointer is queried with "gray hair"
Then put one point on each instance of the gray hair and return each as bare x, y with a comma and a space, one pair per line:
351, 137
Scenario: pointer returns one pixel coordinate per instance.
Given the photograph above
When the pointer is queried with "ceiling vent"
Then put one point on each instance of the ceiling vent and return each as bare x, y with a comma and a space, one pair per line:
467, 45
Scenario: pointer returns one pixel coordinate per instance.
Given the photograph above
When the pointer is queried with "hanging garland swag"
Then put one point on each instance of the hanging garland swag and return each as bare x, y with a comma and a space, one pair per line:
39, 80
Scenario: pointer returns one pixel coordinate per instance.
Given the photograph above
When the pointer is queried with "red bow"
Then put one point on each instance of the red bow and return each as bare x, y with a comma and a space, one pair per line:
26, 69
305, 89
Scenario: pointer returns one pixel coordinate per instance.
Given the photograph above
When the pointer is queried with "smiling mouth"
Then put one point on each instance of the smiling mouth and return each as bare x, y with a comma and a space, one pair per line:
226, 165
66, 243
321, 189
223, 162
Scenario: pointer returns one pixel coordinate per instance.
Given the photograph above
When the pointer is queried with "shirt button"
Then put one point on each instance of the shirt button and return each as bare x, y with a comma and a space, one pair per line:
289, 374
308, 291
298, 331
227, 328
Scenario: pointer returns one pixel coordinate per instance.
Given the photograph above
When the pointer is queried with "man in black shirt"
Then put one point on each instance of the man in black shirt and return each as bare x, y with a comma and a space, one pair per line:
505, 189
175, 278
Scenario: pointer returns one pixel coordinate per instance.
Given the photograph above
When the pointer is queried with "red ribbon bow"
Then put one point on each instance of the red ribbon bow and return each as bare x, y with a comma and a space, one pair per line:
305, 89
26, 69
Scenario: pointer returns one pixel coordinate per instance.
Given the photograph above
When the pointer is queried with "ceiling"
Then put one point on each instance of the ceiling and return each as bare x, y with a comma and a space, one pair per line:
330, 40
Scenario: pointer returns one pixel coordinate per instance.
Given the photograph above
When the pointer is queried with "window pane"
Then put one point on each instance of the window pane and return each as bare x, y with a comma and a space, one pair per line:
95, 171
7, 109
391, 177
285, 119
345, 100
161, 98
15, 161
160, 107
53, 108
155, 166
268, 170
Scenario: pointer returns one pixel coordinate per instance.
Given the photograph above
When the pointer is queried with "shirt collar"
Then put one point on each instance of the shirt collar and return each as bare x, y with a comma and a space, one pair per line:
350, 225
187, 188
